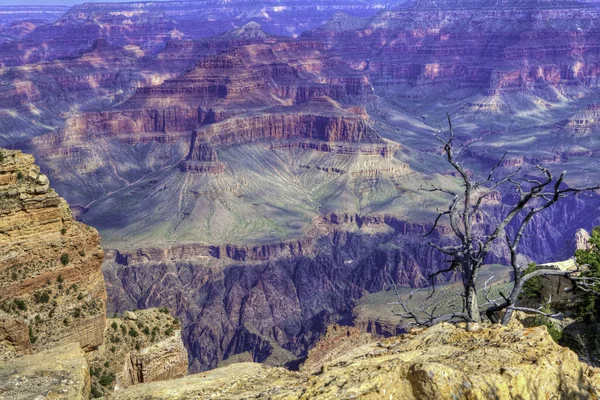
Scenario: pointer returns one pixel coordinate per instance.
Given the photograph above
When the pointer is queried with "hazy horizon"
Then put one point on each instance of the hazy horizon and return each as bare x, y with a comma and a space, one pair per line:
66, 3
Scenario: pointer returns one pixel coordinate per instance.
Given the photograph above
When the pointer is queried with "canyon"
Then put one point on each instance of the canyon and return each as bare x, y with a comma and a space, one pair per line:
257, 167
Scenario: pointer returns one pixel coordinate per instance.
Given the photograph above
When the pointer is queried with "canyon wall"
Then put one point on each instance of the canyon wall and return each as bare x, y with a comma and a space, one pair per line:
49, 264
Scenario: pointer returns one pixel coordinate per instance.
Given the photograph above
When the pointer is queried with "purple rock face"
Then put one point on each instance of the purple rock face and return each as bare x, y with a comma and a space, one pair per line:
256, 166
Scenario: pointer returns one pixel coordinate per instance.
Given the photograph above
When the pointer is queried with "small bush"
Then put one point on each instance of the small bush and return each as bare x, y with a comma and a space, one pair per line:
137, 346
169, 331
80, 296
1, 156
20, 176
63, 231
96, 393
164, 310
20, 304
532, 288
133, 332
107, 379
106, 364
64, 259
113, 349
114, 326
32, 338
41, 297
60, 277
146, 331
76, 312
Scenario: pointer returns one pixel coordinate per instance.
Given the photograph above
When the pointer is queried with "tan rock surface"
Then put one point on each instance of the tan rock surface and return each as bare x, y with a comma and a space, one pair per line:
50, 265
143, 346
14, 337
443, 362
59, 373
167, 359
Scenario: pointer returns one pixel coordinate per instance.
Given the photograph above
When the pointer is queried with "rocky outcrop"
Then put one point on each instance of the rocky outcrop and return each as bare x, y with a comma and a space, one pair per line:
50, 274
442, 362
141, 346
163, 361
59, 373
14, 337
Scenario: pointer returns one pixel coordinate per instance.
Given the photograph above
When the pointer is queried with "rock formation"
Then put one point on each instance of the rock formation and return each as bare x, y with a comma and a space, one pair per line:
50, 265
443, 362
140, 347
58, 373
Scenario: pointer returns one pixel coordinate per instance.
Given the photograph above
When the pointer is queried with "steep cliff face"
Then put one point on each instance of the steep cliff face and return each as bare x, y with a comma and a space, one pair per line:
49, 264
443, 362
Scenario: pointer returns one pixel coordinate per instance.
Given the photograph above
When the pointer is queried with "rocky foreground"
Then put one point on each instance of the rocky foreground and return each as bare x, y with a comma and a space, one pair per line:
443, 362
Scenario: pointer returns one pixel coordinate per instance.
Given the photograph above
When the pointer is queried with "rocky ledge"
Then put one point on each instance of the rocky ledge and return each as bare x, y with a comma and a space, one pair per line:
443, 362
59, 373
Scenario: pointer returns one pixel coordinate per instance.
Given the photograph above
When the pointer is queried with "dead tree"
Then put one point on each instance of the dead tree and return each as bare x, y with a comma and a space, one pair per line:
469, 255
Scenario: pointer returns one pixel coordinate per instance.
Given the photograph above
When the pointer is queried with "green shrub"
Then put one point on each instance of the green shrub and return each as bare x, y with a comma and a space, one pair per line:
133, 332
41, 297
20, 304
532, 288
137, 346
107, 379
63, 231
64, 259
20, 176
32, 338
146, 331
96, 393
76, 312
113, 349
106, 364
60, 277
589, 306
1, 156
114, 326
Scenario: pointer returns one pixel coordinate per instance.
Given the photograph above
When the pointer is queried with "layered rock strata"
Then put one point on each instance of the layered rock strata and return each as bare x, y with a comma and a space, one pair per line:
50, 265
